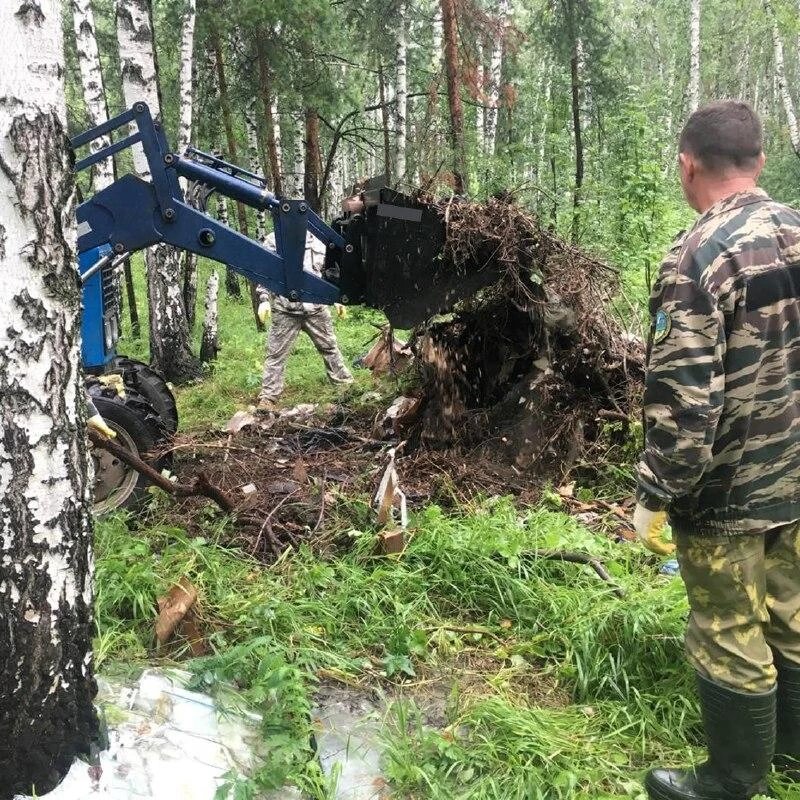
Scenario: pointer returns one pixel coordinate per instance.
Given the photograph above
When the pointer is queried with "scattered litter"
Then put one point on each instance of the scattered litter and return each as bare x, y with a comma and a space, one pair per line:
173, 609
165, 743
398, 418
388, 354
241, 419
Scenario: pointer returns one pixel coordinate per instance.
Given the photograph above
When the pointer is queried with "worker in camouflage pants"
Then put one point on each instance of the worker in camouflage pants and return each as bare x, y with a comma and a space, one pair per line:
721, 459
288, 319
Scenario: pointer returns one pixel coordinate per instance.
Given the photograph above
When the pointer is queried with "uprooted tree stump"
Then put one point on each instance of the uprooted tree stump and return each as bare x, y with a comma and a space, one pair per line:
526, 370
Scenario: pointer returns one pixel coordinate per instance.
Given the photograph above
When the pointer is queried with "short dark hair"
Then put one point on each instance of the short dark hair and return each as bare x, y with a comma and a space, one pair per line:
723, 135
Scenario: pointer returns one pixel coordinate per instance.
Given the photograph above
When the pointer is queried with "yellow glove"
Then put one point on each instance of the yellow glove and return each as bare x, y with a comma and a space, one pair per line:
649, 527
99, 424
341, 311
264, 311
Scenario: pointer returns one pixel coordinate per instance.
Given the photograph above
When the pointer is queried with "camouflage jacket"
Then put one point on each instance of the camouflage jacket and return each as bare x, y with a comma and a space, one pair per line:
313, 261
722, 397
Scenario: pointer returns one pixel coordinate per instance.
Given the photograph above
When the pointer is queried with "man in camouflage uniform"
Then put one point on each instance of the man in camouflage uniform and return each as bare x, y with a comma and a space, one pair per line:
722, 455
288, 319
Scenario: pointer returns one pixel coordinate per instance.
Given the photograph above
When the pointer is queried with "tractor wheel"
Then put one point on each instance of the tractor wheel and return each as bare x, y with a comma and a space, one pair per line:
140, 430
152, 386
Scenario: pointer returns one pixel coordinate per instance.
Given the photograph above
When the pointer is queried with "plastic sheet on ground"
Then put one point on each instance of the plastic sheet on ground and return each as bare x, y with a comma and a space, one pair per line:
165, 743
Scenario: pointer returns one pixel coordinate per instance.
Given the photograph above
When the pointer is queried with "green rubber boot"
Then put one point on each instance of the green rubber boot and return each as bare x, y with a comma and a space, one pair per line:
740, 733
787, 747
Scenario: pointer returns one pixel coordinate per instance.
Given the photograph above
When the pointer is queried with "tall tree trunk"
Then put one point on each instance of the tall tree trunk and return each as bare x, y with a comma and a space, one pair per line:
450, 32
575, 84
780, 76
387, 148
169, 330
311, 175
270, 106
495, 74
694, 58
480, 112
298, 180
253, 152
209, 343
233, 156
94, 96
186, 93
46, 712
186, 82
401, 105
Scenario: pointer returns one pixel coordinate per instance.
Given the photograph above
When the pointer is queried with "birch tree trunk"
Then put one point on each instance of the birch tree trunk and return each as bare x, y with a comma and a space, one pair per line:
401, 105
94, 97
46, 713
209, 344
780, 76
495, 74
384, 120
169, 330
480, 111
253, 152
186, 83
186, 93
694, 58
450, 32
298, 176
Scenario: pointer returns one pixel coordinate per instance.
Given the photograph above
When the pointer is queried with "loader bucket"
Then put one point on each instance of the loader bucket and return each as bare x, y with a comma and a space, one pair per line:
393, 260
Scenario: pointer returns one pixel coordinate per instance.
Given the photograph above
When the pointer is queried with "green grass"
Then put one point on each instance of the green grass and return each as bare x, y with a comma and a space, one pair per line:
626, 694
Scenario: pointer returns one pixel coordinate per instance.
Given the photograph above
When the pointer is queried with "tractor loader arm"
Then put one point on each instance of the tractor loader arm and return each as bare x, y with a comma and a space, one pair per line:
386, 254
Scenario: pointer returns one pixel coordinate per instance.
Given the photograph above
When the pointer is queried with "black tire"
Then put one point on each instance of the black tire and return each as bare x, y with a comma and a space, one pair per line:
152, 386
139, 428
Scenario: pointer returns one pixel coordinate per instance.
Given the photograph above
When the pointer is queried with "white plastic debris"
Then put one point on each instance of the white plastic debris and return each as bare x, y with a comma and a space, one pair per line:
165, 743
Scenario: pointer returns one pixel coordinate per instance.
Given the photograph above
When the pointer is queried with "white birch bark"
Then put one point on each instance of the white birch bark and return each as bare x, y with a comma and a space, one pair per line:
694, 57
276, 131
186, 87
46, 682
401, 106
252, 149
780, 78
480, 114
495, 74
169, 330
94, 95
209, 344
299, 153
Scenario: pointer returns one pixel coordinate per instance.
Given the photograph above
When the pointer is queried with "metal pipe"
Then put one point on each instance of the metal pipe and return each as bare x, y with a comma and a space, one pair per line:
229, 185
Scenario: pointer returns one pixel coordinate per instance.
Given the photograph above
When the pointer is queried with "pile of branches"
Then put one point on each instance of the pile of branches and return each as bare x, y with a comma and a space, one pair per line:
531, 366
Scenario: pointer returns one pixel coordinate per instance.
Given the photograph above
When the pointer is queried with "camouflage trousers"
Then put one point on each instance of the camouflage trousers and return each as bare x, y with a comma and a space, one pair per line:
744, 595
283, 332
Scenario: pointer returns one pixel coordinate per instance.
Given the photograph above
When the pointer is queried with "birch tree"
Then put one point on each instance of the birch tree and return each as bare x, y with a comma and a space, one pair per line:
780, 78
495, 74
94, 98
46, 713
169, 329
186, 92
694, 57
480, 113
400, 109
94, 95
186, 76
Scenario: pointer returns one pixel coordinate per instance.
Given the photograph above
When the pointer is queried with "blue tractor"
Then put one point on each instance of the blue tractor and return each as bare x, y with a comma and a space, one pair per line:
384, 253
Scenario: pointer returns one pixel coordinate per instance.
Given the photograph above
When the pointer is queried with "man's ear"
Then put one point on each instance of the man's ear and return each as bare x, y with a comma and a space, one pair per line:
762, 159
687, 164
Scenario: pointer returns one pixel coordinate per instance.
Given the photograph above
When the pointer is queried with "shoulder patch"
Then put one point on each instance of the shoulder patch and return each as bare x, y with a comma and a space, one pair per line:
662, 324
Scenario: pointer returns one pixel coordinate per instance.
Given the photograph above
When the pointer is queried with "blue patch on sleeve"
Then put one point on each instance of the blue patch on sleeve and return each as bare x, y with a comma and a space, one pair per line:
661, 326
